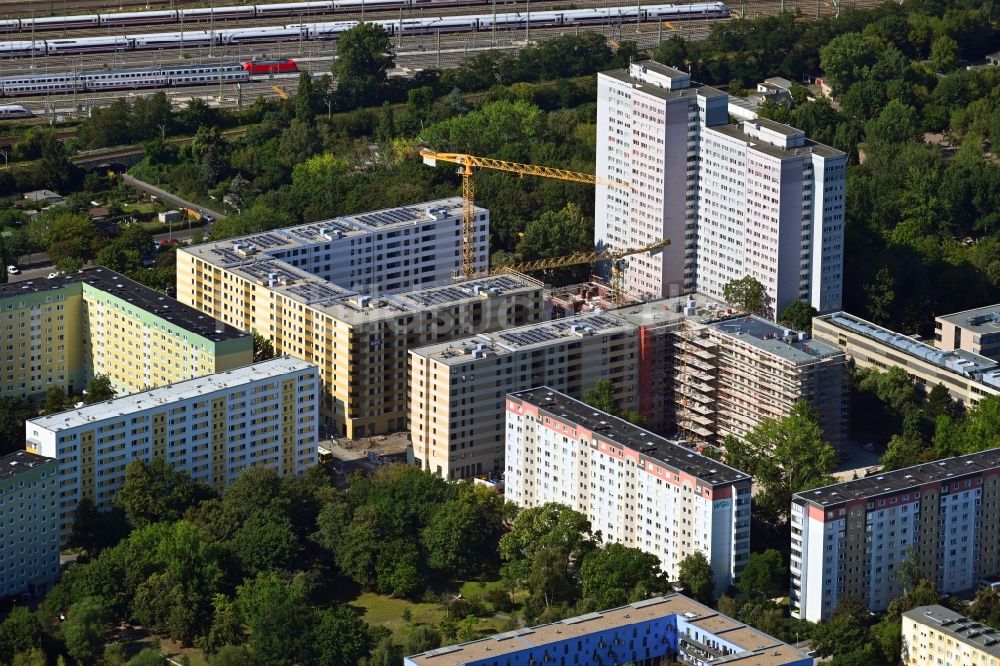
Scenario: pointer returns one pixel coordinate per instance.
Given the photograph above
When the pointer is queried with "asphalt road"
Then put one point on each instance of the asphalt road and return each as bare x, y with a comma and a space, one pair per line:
172, 199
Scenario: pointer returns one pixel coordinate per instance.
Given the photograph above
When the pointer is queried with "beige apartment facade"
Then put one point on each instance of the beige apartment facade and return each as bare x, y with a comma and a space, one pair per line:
352, 295
968, 377
938, 636
976, 331
457, 388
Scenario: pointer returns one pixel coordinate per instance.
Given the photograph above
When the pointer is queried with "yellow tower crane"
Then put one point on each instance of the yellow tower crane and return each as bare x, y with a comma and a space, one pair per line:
469, 163
616, 257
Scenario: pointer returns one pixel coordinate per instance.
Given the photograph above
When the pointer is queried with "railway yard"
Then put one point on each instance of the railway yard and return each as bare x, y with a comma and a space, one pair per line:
434, 34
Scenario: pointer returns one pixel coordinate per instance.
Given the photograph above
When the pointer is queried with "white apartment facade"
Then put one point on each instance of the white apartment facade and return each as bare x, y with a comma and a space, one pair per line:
771, 206
29, 532
649, 119
637, 488
457, 388
849, 539
211, 427
755, 199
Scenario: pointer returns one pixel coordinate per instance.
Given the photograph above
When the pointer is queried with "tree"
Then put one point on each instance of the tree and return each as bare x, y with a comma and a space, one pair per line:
764, 574
263, 349
264, 542
612, 574
784, 456
54, 170
602, 396
422, 638
156, 492
86, 623
71, 240
556, 234
903, 451
13, 413
364, 59
695, 575
20, 632
95, 530
459, 539
846, 59
99, 389
270, 607
149, 657
898, 122
305, 98
549, 525
798, 315
748, 295
342, 637
232, 655
944, 54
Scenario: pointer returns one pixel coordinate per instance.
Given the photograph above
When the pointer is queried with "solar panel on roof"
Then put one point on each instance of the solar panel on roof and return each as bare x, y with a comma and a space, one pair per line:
228, 256
384, 218
265, 240
314, 291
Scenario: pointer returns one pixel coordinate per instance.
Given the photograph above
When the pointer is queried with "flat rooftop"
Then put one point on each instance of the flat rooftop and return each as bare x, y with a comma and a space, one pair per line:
19, 462
979, 320
964, 630
525, 338
810, 146
888, 483
958, 361
758, 649
353, 308
278, 242
771, 338
144, 298
651, 446
171, 393
667, 311
664, 94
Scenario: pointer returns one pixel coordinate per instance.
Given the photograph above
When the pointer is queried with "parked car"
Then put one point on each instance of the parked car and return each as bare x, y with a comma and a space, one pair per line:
12, 270
53, 275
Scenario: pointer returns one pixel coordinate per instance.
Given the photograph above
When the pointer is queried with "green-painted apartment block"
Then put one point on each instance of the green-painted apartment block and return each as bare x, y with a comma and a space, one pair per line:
29, 504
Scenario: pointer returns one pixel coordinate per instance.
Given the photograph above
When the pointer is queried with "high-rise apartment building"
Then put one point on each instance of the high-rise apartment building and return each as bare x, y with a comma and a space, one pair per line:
938, 636
29, 504
637, 488
212, 427
649, 119
850, 539
662, 630
976, 331
353, 295
756, 198
734, 372
968, 377
457, 388
64, 331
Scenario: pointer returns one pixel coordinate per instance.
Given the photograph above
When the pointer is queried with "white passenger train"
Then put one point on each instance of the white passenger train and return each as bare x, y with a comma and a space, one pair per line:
332, 30
9, 111
204, 14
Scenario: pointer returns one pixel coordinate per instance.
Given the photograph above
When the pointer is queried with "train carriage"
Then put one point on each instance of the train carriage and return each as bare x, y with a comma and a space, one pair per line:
294, 9
60, 22
10, 25
139, 18
282, 66
8, 111
251, 35
124, 79
170, 40
21, 49
89, 45
216, 13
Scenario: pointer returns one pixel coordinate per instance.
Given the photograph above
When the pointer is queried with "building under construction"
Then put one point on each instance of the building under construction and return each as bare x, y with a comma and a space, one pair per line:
733, 373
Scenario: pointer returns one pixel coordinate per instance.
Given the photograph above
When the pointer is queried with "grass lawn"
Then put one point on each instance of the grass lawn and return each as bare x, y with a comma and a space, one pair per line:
388, 612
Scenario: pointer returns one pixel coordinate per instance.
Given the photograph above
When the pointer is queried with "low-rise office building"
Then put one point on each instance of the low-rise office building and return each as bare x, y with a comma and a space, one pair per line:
211, 427
353, 295
976, 331
29, 500
457, 388
61, 332
968, 377
637, 488
850, 539
661, 630
938, 636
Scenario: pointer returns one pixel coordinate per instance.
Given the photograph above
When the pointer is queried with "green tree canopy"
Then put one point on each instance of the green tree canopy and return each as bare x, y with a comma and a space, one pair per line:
798, 315
784, 456
613, 575
748, 295
695, 575
765, 574
364, 59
